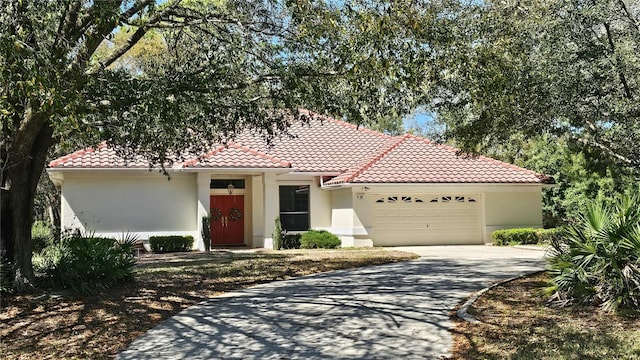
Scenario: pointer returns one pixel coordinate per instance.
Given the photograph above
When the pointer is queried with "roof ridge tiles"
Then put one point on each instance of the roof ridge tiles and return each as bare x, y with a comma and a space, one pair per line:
244, 148
259, 153
209, 154
345, 124
374, 159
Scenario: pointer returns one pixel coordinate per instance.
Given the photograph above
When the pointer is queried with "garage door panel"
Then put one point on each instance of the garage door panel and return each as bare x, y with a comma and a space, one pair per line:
427, 219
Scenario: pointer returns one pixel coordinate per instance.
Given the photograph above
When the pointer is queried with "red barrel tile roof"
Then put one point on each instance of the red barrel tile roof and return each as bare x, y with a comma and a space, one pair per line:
411, 159
330, 146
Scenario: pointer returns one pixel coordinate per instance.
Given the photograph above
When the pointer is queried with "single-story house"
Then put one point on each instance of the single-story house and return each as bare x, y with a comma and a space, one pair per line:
369, 188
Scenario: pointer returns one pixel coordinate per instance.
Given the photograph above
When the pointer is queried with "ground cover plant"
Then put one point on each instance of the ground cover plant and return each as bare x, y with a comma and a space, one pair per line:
516, 322
49, 326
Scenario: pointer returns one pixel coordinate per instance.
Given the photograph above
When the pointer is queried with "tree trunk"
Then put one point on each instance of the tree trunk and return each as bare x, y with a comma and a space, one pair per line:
54, 214
22, 172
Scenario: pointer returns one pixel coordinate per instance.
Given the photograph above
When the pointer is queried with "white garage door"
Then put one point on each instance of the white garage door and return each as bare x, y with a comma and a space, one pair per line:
438, 219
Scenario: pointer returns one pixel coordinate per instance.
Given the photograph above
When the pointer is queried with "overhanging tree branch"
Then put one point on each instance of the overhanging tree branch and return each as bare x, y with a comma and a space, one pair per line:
633, 20
143, 27
116, 54
619, 65
607, 150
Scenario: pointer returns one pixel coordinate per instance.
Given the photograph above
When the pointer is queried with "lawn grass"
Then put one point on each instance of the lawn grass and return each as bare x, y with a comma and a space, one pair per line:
41, 326
517, 324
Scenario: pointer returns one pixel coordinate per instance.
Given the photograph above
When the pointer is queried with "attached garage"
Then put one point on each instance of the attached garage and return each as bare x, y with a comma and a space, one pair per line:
426, 219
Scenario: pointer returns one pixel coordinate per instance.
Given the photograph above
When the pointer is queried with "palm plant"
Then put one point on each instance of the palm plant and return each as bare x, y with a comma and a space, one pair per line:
597, 261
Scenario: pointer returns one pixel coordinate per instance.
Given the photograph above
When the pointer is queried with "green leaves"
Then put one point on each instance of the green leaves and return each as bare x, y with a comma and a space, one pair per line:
598, 262
156, 79
85, 265
538, 68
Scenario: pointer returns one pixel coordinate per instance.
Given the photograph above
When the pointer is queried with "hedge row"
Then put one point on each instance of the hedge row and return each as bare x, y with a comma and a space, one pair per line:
524, 236
173, 243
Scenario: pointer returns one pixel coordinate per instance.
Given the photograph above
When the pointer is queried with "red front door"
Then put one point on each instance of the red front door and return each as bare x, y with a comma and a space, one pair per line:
227, 220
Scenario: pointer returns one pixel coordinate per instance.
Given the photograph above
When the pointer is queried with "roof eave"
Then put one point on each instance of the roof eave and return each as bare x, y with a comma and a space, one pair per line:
352, 184
190, 170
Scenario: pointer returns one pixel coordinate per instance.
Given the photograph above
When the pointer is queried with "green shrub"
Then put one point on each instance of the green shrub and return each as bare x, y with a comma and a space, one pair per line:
524, 236
547, 236
277, 234
291, 241
597, 261
41, 235
172, 243
520, 236
85, 264
319, 239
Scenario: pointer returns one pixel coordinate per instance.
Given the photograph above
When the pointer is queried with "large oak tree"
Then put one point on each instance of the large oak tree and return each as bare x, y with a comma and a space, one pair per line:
71, 76
563, 68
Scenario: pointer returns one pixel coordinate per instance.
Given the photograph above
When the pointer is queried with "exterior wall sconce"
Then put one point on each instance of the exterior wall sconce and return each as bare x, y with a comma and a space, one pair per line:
230, 188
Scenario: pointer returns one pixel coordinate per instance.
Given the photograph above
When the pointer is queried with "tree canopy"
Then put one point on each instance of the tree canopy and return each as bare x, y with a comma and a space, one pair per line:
156, 78
564, 68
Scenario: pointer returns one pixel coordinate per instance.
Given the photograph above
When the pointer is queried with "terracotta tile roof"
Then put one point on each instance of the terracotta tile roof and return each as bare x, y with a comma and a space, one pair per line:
99, 157
411, 159
236, 156
323, 144
331, 146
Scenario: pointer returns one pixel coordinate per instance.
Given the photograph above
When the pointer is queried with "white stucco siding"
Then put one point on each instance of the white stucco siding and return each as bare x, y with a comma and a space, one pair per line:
511, 209
345, 218
124, 202
320, 205
341, 209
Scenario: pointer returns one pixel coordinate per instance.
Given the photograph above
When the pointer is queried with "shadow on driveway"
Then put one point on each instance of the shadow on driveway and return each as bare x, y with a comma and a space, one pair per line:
390, 311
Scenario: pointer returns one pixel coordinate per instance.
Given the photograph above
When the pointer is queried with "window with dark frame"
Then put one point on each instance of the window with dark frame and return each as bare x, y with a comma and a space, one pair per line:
294, 207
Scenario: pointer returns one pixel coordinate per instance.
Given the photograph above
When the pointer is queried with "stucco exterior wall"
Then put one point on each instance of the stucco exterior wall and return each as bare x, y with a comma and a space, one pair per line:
110, 203
347, 210
113, 202
512, 209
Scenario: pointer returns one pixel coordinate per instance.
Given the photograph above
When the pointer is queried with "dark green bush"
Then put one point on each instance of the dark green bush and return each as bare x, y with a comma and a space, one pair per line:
291, 241
597, 261
172, 243
41, 235
525, 236
515, 236
547, 236
319, 239
85, 264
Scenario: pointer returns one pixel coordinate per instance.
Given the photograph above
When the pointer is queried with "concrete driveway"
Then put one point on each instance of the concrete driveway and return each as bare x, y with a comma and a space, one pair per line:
380, 312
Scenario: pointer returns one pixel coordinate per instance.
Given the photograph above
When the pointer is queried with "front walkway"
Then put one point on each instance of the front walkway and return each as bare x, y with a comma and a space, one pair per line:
391, 311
